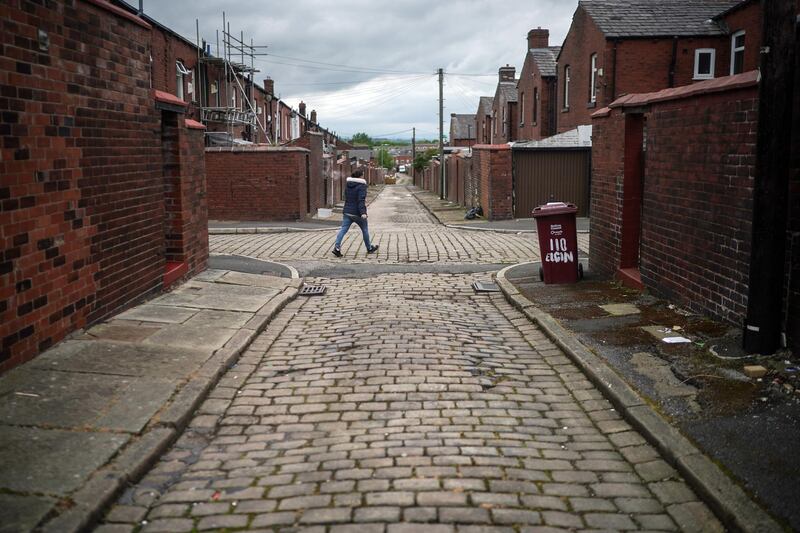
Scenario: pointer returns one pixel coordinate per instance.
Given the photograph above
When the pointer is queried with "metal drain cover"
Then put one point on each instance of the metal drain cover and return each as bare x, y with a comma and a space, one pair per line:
313, 290
485, 286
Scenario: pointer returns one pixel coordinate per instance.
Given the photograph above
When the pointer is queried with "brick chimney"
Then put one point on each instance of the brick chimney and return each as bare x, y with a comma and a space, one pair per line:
302, 107
538, 38
314, 116
507, 73
269, 85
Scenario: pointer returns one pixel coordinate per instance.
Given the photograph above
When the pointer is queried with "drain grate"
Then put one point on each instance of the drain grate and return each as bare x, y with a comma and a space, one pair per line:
312, 290
485, 286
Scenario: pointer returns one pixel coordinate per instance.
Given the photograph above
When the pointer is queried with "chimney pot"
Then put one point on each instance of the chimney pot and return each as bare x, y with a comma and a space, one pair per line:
302, 107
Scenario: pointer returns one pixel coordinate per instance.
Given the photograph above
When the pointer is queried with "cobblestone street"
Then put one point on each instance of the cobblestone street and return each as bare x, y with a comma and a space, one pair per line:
405, 232
406, 403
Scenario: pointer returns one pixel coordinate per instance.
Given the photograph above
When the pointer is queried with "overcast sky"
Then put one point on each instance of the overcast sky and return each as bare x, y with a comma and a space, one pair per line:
369, 65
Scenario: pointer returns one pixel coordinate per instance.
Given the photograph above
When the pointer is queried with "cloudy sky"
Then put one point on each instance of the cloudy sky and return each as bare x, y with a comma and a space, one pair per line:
370, 65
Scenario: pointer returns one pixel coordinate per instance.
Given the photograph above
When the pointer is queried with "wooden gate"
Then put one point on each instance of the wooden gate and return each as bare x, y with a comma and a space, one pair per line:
551, 175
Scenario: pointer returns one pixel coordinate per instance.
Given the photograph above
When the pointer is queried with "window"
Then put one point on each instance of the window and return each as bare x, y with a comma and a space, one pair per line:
215, 92
535, 104
181, 71
521, 109
704, 63
566, 87
737, 52
593, 78
190, 86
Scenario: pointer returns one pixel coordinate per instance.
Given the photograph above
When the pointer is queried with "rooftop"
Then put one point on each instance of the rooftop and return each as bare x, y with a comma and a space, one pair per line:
663, 18
462, 126
546, 58
580, 137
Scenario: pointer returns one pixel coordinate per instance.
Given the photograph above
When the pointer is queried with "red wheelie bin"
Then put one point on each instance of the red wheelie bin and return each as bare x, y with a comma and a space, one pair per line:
558, 243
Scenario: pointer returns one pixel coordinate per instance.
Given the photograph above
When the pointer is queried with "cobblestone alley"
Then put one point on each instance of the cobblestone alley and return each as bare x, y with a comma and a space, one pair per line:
405, 402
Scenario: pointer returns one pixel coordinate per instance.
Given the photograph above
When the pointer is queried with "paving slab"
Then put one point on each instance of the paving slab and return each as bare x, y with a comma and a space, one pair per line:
158, 313
33, 397
206, 337
22, 513
121, 359
219, 319
256, 280
50, 461
620, 309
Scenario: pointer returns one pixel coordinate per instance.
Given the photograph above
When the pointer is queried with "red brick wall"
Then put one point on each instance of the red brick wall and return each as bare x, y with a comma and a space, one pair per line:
697, 200
583, 39
256, 183
606, 194
186, 207
531, 78
639, 65
82, 204
747, 18
312, 141
493, 165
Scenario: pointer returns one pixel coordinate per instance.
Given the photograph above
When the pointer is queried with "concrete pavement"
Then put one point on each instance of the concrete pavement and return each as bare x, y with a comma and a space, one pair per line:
92, 413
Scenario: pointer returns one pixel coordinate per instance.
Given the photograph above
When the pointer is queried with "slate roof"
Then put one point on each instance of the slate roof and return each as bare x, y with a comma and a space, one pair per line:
486, 103
656, 18
580, 137
546, 58
508, 90
462, 126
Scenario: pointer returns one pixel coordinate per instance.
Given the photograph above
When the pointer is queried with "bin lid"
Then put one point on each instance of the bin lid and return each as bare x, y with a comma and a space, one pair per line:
554, 208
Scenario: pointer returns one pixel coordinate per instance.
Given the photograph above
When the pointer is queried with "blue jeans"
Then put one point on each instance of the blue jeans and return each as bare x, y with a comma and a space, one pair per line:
347, 221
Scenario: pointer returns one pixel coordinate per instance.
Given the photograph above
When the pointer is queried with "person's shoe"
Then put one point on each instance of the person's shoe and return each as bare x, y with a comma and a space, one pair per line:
337, 252
373, 249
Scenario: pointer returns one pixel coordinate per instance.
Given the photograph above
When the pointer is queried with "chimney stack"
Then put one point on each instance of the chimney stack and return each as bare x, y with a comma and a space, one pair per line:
538, 38
269, 86
507, 73
314, 116
302, 107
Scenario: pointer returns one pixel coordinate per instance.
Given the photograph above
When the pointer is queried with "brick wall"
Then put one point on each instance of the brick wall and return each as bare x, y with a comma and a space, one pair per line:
532, 85
312, 141
640, 65
492, 162
606, 193
82, 211
257, 183
583, 39
696, 197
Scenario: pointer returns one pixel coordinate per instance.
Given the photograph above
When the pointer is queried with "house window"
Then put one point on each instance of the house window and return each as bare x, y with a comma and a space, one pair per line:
535, 105
215, 92
737, 52
593, 78
190, 86
566, 87
704, 63
180, 72
521, 109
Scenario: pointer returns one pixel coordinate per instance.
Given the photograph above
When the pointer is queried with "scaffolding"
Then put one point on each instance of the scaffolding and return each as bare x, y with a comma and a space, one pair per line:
238, 79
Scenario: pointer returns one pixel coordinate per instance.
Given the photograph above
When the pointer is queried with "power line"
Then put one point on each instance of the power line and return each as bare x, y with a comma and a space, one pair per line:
379, 69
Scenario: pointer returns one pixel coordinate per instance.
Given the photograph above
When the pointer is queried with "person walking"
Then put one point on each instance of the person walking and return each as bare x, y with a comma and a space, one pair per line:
355, 211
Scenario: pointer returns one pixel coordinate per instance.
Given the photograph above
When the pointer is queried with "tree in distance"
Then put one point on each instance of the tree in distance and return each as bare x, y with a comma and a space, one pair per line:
385, 159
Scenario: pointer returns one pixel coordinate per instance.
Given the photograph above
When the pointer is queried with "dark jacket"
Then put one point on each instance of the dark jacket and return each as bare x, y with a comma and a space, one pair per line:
355, 196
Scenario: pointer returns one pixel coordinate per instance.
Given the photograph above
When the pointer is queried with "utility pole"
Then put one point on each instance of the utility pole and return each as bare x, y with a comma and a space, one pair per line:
765, 321
441, 136
413, 155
